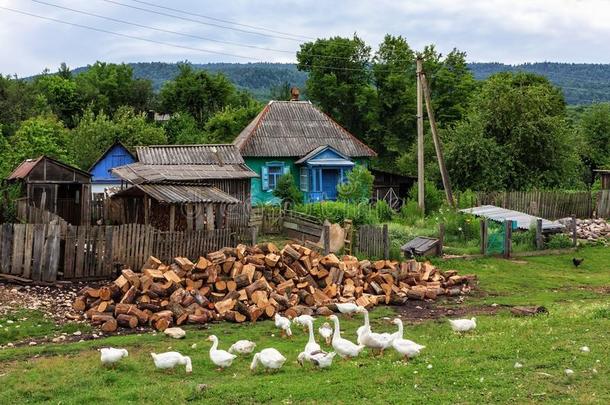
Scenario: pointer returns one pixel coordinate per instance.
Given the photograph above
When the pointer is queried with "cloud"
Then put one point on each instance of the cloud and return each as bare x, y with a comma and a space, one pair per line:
510, 31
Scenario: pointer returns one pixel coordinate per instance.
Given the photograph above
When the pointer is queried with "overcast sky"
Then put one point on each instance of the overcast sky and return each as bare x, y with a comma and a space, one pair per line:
509, 31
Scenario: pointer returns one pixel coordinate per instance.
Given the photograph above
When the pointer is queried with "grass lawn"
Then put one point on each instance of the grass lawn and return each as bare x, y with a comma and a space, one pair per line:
477, 368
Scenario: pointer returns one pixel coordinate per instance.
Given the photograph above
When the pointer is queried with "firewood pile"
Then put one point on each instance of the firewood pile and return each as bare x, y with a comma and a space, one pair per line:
249, 283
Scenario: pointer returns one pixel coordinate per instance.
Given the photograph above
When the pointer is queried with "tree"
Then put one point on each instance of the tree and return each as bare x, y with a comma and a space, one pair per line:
594, 129
18, 102
61, 96
107, 86
197, 92
183, 129
100, 131
281, 92
518, 120
359, 186
42, 135
340, 80
225, 125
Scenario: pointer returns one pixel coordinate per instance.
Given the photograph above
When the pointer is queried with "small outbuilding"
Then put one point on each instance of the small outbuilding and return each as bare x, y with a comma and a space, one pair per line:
102, 177
48, 184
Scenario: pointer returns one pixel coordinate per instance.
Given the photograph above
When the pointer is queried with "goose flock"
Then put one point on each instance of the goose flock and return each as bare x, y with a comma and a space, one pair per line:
271, 359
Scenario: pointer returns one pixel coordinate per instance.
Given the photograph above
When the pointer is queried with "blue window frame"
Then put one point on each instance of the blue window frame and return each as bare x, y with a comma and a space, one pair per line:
271, 173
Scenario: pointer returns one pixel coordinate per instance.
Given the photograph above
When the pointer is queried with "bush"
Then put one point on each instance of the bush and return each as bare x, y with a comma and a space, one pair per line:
527, 238
287, 191
359, 186
558, 241
459, 226
433, 197
337, 212
466, 199
385, 213
410, 212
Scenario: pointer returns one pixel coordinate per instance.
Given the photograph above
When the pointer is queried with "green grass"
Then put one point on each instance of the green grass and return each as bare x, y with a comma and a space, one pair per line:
25, 324
476, 368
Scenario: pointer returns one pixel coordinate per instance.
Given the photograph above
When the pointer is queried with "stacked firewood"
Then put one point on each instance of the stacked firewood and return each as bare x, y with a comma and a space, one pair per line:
250, 283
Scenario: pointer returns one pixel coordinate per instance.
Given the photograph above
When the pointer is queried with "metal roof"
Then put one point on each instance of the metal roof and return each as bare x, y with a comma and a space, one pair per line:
23, 170
180, 193
293, 129
138, 173
220, 154
524, 221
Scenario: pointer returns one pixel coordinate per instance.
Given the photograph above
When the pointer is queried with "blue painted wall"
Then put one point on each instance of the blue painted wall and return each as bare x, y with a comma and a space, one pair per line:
115, 157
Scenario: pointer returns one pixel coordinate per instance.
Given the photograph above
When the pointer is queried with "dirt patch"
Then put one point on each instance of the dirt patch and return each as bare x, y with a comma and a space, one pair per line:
421, 311
55, 302
595, 289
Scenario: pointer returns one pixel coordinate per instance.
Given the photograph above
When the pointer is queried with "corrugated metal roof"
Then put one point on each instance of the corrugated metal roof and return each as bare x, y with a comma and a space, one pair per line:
180, 194
189, 155
138, 173
293, 129
24, 169
524, 221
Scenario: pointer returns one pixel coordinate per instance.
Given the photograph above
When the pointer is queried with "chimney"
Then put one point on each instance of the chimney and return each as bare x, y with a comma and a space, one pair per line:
294, 94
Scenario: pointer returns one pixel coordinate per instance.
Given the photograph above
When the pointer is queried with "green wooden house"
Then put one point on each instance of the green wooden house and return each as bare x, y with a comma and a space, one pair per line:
295, 137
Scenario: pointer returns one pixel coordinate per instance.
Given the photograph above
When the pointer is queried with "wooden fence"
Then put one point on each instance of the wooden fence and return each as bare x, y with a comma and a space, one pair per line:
43, 252
30, 250
546, 204
373, 241
301, 226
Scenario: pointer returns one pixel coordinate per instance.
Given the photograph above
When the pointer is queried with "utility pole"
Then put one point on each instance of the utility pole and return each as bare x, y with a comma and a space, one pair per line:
437, 142
420, 137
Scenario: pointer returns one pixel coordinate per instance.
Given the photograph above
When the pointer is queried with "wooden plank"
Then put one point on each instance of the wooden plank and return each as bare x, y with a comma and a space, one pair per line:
53, 253
99, 257
38, 251
69, 252
18, 246
81, 232
27, 257
7, 248
108, 246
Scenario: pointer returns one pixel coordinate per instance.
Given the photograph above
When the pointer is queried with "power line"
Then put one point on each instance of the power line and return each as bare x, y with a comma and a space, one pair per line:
224, 21
201, 22
161, 29
182, 33
87, 27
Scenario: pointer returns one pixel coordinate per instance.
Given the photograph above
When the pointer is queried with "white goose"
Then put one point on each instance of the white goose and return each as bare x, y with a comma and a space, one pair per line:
375, 341
270, 359
302, 320
283, 324
312, 345
405, 347
463, 325
326, 332
171, 360
343, 347
319, 359
242, 347
221, 358
348, 308
110, 355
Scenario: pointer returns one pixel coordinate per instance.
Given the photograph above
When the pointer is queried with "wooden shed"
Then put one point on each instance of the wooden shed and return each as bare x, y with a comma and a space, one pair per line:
50, 185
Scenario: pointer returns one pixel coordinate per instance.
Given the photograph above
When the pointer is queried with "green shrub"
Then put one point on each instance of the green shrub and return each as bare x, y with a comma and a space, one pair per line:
466, 199
410, 212
558, 241
359, 186
458, 226
287, 191
385, 213
337, 212
525, 239
433, 197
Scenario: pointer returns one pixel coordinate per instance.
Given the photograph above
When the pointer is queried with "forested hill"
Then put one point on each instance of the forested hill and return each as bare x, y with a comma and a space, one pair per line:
582, 83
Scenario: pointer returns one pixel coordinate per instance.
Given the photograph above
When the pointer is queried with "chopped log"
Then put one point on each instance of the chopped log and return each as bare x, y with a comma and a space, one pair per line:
130, 309
281, 288
130, 295
127, 321
109, 326
282, 300
220, 285
198, 319
152, 263
98, 319
306, 298
121, 282
269, 311
271, 260
216, 257
162, 323
132, 277
80, 303
212, 272
260, 284
184, 263
172, 276
234, 316
224, 306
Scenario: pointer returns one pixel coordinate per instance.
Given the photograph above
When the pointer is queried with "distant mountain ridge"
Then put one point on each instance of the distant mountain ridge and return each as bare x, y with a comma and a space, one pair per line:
582, 83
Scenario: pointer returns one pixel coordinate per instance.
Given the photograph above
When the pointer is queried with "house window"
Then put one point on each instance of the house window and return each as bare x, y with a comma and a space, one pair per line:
304, 179
271, 174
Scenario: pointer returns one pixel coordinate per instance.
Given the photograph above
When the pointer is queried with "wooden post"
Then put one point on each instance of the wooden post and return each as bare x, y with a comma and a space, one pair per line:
508, 232
254, 231
326, 239
483, 236
386, 242
420, 138
209, 217
146, 209
574, 231
441, 239
438, 146
172, 218
539, 239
